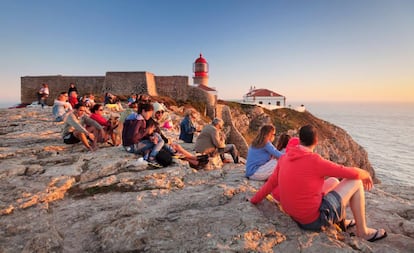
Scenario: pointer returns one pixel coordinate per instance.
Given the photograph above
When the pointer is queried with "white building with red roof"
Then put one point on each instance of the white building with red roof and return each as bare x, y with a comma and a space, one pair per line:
265, 98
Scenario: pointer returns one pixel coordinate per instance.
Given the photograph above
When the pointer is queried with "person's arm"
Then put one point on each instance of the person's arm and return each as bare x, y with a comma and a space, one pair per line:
217, 140
74, 122
272, 150
332, 169
271, 183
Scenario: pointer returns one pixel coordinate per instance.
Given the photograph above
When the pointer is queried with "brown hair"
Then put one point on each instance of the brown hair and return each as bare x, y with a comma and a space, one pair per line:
282, 141
260, 140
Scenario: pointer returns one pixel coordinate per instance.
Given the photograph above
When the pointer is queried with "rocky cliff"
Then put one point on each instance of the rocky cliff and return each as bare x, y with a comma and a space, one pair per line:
60, 198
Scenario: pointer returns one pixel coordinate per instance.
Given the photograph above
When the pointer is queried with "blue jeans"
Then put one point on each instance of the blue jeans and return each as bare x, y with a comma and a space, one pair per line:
147, 145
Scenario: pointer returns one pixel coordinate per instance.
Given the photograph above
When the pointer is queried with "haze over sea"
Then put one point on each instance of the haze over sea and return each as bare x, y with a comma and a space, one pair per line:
384, 130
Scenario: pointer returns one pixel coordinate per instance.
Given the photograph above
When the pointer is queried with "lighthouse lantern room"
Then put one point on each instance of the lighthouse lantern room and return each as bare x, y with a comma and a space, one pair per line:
200, 69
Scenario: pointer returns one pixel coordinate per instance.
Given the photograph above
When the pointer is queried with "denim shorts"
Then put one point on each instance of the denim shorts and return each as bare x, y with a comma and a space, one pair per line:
331, 211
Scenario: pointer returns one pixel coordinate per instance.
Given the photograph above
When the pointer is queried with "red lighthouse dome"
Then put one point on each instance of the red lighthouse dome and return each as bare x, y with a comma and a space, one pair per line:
200, 69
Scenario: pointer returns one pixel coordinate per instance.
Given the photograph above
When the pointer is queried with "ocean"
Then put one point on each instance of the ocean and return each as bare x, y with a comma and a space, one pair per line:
384, 130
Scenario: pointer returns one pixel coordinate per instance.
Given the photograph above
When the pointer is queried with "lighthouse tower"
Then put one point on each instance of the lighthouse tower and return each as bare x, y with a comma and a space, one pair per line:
200, 69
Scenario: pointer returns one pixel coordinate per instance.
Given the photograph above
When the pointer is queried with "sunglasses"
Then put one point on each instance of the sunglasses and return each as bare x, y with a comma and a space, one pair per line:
159, 112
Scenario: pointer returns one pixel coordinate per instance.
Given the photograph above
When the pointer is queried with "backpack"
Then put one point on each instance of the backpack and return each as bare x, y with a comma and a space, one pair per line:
164, 158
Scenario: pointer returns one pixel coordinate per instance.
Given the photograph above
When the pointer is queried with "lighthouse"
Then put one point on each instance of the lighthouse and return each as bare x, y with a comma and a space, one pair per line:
200, 69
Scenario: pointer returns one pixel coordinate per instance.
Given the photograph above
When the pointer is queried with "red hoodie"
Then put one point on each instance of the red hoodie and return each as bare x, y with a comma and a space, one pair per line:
301, 175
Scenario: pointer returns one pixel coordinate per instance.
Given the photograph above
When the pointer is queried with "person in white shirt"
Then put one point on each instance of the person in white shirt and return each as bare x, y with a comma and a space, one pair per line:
61, 107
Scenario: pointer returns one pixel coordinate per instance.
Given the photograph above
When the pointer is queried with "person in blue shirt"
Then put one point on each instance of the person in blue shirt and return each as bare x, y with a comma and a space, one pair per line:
187, 127
262, 155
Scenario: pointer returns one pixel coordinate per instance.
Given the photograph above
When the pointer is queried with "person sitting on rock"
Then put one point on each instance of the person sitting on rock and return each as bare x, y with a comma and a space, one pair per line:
74, 129
161, 116
73, 98
313, 201
61, 107
109, 125
187, 127
151, 143
175, 149
262, 155
282, 142
212, 141
134, 126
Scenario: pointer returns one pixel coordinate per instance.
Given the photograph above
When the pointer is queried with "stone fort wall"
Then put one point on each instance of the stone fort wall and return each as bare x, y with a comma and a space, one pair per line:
120, 83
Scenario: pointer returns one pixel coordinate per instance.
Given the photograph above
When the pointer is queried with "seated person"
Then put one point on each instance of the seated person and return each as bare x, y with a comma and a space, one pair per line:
109, 126
73, 98
151, 143
161, 116
176, 149
61, 107
212, 141
134, 127
89, 100
187, 127
262, 155
282, 142
312, 201
74, 129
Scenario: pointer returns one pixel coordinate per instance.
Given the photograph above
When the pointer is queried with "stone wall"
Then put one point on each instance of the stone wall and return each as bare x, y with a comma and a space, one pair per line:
120, 83
125, 83
30, 85
198, 95
176, 87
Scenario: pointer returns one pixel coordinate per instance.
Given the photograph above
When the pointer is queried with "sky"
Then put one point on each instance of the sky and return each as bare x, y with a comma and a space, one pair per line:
304, 50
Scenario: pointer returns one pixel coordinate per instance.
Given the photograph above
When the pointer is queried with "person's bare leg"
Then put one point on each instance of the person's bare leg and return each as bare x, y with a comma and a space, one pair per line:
352, 192
181, 150
329, 184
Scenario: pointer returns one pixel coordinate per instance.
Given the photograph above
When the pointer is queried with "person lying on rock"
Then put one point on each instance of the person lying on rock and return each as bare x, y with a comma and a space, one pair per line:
212, 141
312, 201
75, 130
262, 155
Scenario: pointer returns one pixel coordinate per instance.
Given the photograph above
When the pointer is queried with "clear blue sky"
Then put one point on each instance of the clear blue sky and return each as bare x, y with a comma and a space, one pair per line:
305, 50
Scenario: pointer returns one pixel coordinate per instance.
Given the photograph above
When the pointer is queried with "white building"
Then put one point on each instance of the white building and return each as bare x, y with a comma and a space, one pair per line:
265, 98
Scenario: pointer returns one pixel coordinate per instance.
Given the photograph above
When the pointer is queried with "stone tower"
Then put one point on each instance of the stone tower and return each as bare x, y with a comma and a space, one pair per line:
200, 69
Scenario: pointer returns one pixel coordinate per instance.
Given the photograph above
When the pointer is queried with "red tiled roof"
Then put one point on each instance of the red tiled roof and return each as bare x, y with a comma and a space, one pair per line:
206, 88
262, 93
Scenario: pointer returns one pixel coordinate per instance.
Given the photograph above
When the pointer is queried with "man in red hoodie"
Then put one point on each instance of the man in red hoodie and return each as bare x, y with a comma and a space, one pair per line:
300, 176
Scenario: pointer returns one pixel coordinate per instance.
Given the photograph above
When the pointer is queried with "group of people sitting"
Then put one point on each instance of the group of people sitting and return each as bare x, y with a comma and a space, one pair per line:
306, 185
309, 188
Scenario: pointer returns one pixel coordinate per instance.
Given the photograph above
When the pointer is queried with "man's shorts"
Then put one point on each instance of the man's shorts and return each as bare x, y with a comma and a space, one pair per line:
331, 212
70, 139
